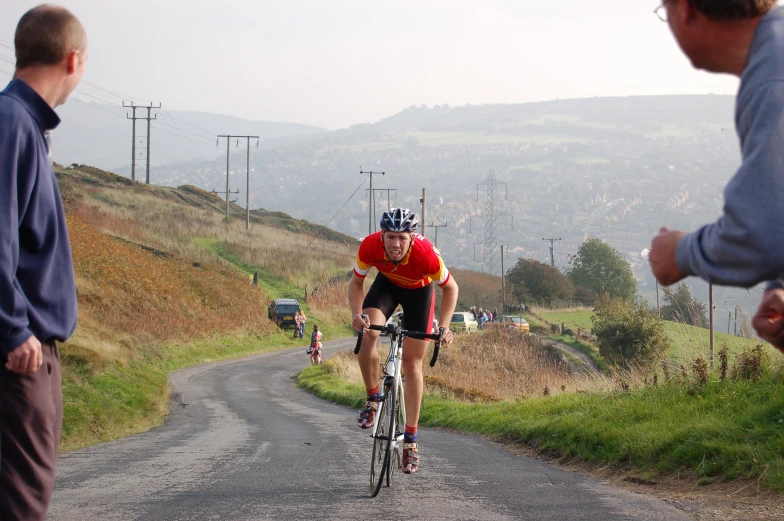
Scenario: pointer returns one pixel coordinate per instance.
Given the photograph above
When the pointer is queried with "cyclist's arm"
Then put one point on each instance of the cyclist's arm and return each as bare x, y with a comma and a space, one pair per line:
448, 302
355, 298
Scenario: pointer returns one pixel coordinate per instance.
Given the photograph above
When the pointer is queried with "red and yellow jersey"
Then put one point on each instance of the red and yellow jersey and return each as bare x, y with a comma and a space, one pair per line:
421, 265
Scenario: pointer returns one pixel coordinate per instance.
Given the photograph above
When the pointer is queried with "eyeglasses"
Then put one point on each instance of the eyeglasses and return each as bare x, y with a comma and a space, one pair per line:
661, 11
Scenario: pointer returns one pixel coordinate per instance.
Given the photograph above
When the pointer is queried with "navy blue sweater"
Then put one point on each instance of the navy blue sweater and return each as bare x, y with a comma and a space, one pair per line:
37, 287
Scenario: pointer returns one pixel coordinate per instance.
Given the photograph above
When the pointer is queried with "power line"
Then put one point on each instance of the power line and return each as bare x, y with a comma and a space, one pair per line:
340, 209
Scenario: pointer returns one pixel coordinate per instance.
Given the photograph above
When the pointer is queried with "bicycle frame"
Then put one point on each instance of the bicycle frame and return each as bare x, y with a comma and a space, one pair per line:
392, 369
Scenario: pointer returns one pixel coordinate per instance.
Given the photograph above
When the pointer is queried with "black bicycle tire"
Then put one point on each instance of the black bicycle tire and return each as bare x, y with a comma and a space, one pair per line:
396, 458
385, 445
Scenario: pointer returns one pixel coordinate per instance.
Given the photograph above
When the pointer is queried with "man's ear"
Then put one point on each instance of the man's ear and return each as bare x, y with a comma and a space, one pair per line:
72, 61
686, 11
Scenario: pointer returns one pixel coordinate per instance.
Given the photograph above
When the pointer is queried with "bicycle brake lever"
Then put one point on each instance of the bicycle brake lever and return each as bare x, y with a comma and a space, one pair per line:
437, 346
361, 335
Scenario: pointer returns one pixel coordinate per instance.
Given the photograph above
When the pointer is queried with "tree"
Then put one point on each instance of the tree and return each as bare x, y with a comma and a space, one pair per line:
538, 283
584, 296
601, 269
628, 333
682, 307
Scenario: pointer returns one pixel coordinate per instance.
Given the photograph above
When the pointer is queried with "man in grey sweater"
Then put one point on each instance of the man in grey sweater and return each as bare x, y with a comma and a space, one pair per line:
745, 246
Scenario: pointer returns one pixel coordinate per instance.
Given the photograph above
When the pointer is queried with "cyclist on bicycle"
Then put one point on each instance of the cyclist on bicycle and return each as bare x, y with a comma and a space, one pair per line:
408, 265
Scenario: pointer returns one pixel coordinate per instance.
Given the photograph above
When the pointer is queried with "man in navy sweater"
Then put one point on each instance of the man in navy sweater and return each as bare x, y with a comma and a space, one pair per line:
745, 246
37, 287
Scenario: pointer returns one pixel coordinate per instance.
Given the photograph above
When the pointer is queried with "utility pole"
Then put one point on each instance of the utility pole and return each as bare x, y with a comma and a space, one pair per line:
387, 190
370, 200
729, 320
133, 140
437, 226
133, 118
247, 184
150, 107
710, 304
735, 323
552, 252
503, 286
424, 222
228, 190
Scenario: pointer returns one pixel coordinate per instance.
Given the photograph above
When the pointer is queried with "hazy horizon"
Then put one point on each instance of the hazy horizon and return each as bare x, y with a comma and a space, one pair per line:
344, 63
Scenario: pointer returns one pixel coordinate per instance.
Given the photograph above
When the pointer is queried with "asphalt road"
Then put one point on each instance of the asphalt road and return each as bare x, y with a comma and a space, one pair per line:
242, 443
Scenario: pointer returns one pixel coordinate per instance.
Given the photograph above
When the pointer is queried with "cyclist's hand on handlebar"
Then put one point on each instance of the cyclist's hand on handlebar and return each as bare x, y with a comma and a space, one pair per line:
446, 339
360, 320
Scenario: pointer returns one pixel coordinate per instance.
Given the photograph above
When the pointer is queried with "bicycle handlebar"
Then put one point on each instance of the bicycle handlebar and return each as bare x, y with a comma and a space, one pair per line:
392, 329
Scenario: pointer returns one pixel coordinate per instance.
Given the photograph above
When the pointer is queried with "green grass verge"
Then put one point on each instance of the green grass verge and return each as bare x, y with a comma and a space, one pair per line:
726, 430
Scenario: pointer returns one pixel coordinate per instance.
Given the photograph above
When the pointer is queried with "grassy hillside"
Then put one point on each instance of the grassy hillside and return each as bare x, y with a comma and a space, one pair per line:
164, 281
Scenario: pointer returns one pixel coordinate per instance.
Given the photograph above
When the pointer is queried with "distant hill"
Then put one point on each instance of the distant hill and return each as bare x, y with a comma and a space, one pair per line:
100, 135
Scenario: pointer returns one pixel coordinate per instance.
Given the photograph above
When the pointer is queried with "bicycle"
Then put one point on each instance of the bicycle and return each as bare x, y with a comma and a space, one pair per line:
387, 431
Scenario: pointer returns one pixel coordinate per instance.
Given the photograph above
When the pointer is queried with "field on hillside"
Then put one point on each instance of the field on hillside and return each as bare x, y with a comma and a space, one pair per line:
688, 342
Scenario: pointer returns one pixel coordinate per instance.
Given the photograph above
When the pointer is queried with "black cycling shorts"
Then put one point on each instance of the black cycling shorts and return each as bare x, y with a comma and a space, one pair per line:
418, 304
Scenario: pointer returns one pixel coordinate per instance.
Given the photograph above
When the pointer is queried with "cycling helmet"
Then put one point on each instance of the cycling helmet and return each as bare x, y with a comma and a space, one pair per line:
399, 220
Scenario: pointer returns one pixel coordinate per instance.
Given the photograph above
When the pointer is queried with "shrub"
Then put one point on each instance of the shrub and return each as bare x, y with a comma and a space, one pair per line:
628, 333
751, 363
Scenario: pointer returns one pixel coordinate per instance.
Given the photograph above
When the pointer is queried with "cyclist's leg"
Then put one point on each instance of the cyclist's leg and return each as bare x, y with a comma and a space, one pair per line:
368, 354
418, 310
378, 305
413, 353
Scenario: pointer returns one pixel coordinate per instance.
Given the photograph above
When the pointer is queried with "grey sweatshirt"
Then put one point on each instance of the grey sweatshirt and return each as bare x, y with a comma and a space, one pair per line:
746, 245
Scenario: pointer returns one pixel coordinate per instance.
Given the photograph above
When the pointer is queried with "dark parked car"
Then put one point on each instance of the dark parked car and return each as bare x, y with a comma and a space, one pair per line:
282, 311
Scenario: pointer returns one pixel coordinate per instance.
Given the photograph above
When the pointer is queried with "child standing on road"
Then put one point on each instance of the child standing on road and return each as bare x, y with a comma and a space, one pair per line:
315, 345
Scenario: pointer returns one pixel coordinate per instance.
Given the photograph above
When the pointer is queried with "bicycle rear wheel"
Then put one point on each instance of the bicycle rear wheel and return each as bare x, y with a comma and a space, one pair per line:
382, 442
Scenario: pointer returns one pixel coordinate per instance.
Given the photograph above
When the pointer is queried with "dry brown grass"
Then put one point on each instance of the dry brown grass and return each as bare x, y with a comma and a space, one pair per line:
141, 277
128, 290
496, 365
330, 299
502, 364
345, 365
171, 227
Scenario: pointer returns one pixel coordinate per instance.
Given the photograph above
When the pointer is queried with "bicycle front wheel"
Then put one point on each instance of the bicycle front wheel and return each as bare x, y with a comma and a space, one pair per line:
395, 459
385, 435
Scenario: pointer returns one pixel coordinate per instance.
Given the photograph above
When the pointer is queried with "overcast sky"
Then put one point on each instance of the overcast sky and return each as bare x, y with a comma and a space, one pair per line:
335, 63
